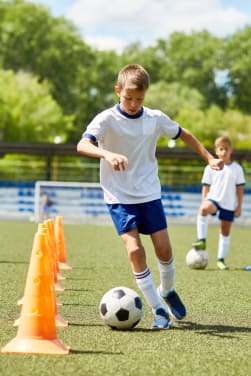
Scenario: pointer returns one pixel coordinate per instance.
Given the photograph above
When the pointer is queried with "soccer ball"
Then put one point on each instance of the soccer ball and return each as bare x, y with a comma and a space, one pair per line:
121, 308
197, 259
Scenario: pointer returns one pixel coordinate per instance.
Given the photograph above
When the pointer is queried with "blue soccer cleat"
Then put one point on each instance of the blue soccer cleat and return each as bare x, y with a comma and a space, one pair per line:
161, 320
174, 304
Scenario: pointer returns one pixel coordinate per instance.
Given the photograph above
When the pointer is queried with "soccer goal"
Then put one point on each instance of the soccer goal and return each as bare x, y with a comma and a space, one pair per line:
76, 202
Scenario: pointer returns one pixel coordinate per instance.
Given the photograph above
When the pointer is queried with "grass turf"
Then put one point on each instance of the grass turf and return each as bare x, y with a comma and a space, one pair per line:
214, 338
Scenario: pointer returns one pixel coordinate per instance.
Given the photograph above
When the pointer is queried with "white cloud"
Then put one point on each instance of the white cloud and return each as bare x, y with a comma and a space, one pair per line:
104, 42
107, 25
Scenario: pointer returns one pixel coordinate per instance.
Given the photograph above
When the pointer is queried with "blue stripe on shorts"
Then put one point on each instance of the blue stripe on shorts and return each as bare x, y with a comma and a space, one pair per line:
147, 217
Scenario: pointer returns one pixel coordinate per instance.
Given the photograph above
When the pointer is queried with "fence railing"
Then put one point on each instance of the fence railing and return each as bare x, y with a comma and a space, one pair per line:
85, 170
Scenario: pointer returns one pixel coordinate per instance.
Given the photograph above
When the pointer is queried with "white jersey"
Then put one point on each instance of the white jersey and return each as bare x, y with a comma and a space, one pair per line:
223, 184
136, 138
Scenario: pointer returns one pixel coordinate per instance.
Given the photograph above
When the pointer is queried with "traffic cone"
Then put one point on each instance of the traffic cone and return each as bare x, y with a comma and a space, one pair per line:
42, 229
37, 328
52, 247
60, 321
60, 243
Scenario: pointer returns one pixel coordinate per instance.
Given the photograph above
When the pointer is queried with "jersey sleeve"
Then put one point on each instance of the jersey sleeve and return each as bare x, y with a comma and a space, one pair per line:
207, 176
95, 129
240, 180
169, 127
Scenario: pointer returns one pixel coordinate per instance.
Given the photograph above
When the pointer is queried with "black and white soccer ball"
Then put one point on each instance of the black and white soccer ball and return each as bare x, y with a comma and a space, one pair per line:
197, 259
121, 308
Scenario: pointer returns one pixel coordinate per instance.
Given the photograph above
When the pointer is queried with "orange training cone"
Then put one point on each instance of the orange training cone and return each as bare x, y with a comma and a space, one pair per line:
37, 328
60, 322
60, 243
52, 247
44, 228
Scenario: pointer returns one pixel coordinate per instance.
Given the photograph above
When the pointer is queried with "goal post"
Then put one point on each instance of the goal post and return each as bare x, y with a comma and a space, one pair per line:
76, 202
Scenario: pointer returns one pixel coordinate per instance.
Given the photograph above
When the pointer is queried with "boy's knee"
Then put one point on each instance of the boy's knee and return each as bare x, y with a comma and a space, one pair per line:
204, 211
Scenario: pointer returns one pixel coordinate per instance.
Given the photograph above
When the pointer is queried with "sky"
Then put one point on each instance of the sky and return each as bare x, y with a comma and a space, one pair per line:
114, 25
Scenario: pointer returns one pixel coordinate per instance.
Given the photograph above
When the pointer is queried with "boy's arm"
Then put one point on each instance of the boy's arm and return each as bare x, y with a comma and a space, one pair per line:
239, 193
189, 139
87, 147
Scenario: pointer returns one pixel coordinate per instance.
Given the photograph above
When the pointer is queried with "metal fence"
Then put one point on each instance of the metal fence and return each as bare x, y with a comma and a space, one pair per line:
178, 177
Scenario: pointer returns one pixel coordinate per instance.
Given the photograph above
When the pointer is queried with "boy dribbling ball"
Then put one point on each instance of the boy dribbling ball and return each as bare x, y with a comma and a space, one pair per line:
124, 137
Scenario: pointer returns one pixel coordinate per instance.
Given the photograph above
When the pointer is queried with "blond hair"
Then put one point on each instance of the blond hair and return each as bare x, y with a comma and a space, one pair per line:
222, 139
133, 76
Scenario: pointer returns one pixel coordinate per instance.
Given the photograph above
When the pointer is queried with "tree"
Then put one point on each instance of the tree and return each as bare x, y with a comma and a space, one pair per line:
237, 61
51, 48
172, 97
192, 60
27, 110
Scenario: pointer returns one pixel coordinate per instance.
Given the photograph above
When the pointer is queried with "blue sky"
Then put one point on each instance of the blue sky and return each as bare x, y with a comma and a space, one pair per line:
105, 25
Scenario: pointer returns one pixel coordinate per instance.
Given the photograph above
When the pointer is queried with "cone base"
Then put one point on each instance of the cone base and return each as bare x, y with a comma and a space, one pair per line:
35, 346
64, 266
60, 321
20, 301
60, 276
58, 287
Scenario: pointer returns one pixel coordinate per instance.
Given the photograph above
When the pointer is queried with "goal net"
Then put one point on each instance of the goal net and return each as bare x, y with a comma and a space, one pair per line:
76, 202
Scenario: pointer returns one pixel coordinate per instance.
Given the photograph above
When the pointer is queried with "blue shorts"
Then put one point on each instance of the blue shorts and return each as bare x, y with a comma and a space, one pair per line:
147, 217
223, 214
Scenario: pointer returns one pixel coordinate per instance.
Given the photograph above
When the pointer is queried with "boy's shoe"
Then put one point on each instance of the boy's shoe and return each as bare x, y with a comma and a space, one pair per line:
174, 304
161, 320
199, 245
221, 265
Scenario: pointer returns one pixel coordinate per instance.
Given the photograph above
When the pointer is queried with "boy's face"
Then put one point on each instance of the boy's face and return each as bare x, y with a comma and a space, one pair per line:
224, 151
131, 100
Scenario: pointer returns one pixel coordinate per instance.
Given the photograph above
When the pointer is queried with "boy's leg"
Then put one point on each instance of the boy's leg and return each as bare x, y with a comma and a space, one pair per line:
206, 208
223, 244
144, 278
166, 267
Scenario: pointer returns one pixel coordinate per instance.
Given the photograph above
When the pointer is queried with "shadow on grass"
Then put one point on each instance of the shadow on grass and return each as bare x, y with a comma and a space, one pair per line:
214, 330
13, 262
84, 325
77, 279
72, 351
79, 304
85, 290
221, 271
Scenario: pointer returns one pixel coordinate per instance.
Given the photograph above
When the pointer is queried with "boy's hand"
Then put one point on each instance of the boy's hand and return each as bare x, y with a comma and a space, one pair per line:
117, 161
216, 164
237, 212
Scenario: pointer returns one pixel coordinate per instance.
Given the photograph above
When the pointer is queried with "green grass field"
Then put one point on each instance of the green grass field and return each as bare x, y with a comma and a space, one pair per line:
214, 339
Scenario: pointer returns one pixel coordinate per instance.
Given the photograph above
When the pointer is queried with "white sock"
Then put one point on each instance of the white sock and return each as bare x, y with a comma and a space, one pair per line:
223, 246
146, 285
167, 272
202, 225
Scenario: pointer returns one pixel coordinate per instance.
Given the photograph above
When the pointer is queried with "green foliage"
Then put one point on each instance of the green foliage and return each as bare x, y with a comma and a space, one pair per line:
27, 110
238, 57
51, 48
184, 73
192, 60
172, 97
213, 122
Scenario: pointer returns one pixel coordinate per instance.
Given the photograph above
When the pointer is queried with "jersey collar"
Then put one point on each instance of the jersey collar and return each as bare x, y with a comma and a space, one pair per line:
136, 116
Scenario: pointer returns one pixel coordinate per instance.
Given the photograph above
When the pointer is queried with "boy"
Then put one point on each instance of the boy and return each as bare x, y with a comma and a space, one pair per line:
222, 192
127, 135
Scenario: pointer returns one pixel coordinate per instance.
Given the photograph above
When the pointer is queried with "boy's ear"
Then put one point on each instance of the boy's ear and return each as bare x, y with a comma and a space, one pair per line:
117, 90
